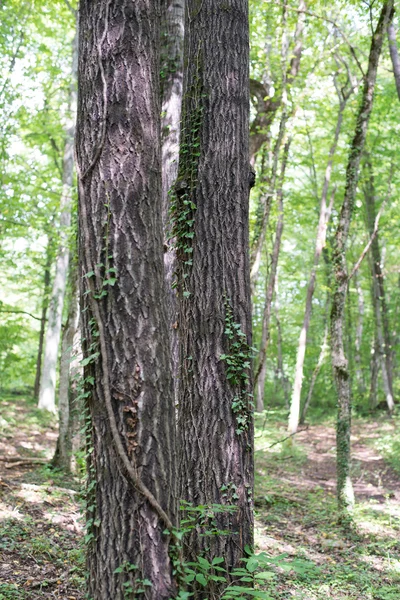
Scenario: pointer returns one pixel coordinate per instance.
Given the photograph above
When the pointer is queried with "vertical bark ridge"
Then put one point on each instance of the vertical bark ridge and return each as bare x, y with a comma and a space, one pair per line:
215, 461
132, 464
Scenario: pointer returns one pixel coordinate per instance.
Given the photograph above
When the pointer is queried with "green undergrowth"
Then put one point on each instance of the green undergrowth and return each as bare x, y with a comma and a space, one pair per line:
302, 551
296, 522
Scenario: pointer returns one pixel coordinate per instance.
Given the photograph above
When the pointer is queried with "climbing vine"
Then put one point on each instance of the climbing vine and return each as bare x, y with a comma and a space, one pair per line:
238, 365
183, 205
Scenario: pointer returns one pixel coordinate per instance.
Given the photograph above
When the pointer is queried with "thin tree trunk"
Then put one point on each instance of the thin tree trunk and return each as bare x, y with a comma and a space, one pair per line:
261, 371
211, 229
320, 362
265, 206
394, 55
324, 215
131, 495
345, 492
374, 368
280, 369
383, 336
359, 333
45, 304
47, 393
172, 35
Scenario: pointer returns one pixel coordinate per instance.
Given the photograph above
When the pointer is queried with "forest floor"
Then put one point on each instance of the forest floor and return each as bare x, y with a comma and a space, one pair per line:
313, 558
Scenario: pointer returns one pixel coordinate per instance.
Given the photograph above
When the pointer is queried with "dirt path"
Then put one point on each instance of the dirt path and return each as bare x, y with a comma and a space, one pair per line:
296, 506
41, 533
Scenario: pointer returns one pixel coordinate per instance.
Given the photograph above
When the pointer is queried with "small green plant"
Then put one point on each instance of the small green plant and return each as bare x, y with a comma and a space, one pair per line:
132, 586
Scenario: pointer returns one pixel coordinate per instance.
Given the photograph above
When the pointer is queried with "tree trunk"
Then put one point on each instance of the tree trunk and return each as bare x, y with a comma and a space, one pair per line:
320, 361
211, 230
131, 494
281, 376
324, 215
45, 305
63, 454
394, 55
172, 33
47, 393
374, 368
261, 371
359, 334
383, 336
345, 493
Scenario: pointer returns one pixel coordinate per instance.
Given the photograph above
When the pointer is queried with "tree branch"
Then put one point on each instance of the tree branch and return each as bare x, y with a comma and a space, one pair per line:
22, 312
376, 227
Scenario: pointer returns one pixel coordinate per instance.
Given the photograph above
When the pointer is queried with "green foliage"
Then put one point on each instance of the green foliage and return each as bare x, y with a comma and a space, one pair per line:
238, 364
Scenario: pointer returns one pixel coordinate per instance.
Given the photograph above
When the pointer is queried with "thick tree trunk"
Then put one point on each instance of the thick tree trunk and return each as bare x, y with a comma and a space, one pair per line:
261, 371
383, 336
45, 305
47, 393
211, 231
339, 361
324, 215
172, 34
131, 494
394, 55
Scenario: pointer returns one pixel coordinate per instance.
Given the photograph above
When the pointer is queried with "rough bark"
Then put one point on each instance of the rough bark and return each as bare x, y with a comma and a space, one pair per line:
394, 55
131, 494
261, 371
383, 336
45, 305
172, 34
339, 361
324, 215
47, 392
215, 422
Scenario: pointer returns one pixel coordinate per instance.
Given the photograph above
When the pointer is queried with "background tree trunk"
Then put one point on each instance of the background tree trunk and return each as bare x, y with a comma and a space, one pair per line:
211, 230
132, 496
62, 456
339, 361
383, 337
394, 55
47, 393
261, 371
45, 305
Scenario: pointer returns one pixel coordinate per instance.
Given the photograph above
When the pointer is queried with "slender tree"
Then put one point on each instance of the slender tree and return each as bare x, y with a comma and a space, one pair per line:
131, 419
43, 319
324, 215
339, 361
383, 336
47, 388
211, 230
394, 55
